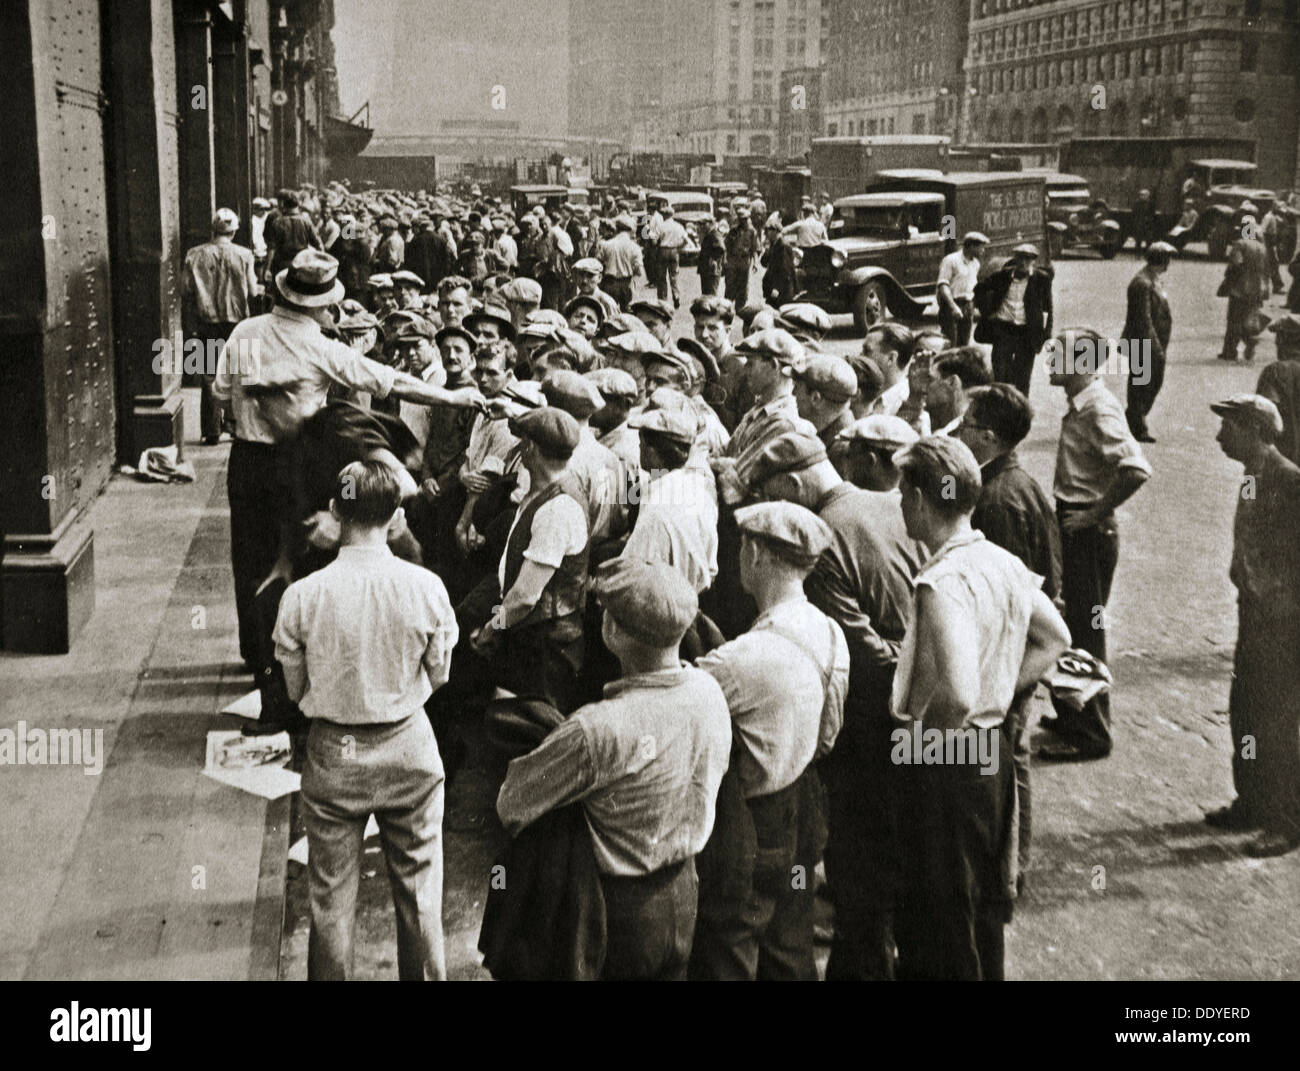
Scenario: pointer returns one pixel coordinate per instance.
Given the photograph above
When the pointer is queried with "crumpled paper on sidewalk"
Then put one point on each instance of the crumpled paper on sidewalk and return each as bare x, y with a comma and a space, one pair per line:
160, 465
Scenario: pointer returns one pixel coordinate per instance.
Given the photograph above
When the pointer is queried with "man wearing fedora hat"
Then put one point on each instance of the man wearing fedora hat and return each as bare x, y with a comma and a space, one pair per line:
1263, 712
218, 284
294, 357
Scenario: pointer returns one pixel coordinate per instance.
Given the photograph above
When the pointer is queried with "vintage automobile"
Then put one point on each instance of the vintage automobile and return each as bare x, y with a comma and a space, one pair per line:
524, 198
690, 209
884, 247
1075, 220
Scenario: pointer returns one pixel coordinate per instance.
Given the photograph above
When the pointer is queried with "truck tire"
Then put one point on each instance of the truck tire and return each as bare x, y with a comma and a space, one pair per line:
870, 306
1109, 249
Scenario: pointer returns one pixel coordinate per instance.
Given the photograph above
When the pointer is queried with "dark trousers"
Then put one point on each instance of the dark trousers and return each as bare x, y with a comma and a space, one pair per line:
649, 924
756, 886
1238, 331
209, 407
1088, 560
738, 286
1264, 716
1142, 391
670, 262
953, 905
619, 289
862, 846
1013, 354
709, 282
957, 329
258, 486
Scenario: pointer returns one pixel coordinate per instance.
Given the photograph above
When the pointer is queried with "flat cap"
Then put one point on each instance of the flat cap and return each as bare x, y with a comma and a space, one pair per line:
1253, 407
620, 323
675, 424
572, 392
582, 301
613, 383
624, 223
651, 601
660, 309
406, 278
757, 316
1026, 249
381, 281
804, 316
225, 221
1287, 326
675, 357
522, 289
778, 344
1162, 247
457, 331
975, 236
589, 266
640, 343
831, 377
797, 530
700, 355
542, 323
891, 432
489, 314
791, 451
399, 326
553, 430
357, 322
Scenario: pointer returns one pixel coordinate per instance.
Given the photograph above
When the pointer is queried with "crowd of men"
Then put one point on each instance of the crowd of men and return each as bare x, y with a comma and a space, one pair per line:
731, 607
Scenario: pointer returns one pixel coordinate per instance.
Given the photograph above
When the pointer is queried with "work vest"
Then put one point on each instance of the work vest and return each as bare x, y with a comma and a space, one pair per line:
565, 592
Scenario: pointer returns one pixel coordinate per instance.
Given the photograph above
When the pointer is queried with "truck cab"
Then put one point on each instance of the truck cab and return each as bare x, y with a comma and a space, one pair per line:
1075, 219
524, 198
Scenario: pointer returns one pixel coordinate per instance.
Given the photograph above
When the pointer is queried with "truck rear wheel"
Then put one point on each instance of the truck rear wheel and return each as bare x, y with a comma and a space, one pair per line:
1108, 249
870, 306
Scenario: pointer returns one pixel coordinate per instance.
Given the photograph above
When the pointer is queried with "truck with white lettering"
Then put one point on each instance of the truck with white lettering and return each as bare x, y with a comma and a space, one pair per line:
884, 247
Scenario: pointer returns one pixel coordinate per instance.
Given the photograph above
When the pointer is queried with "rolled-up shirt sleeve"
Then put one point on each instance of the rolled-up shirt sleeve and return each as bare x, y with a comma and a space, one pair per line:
558, 771
1116, 444
345, 365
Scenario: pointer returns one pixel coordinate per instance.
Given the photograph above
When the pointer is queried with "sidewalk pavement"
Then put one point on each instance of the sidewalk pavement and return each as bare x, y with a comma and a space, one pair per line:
148, 869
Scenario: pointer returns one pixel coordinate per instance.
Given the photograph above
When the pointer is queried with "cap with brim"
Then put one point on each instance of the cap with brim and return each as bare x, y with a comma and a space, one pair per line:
525, 290
489, 315
779, 345
456, 331
589, 266
621, 323
404, 327
554, 431
677, 425
637, 343
888, 432
614, 383
573, 393
407, 278
799, 531
357, 323
381, 281
582, 301
654, 307
697, 351
831, 377
1025, 249
804, 316
974, 236
651, 601
311, 280
624, 223
1253, 407
1162, 247
791, 451
225, 221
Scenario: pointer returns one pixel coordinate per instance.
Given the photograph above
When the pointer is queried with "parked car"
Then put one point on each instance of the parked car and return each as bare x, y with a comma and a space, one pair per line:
1077, 220
689, 209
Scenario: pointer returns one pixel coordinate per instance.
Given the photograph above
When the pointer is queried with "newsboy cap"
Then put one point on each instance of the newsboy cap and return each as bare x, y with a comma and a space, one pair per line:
589, 266
975, 237
572, 392
406, 278
674, 424
401, 326
791, 451
651, 601
614, 383
804, 316
489, 314
457, 331
523, 289
1025, 249
582, 301
637, 343
831, 377
552, 429
799, 532
621, 323
1259, 410
779, 345
890, 432
659, 309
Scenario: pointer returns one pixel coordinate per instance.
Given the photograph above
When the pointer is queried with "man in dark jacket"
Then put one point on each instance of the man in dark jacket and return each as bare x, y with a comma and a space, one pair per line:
353, 254
778, 259
1279, 382
1147, 326
1015, 305
287, 234
1246, 286
712, 255
742, 244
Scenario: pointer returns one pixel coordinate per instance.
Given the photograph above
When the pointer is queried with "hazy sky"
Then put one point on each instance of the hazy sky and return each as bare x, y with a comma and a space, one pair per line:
422, 62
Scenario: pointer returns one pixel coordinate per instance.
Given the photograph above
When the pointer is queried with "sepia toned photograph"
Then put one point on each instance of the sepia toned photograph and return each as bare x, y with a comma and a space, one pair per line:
648, 490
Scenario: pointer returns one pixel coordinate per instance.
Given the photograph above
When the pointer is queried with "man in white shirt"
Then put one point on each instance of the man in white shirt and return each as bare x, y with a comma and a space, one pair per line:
672, 239
808, 231
958, 273
364, 642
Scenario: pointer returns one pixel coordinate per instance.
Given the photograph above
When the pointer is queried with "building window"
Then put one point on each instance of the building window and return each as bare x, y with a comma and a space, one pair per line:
731, 143
918, 124
1244, 110
1249, 55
